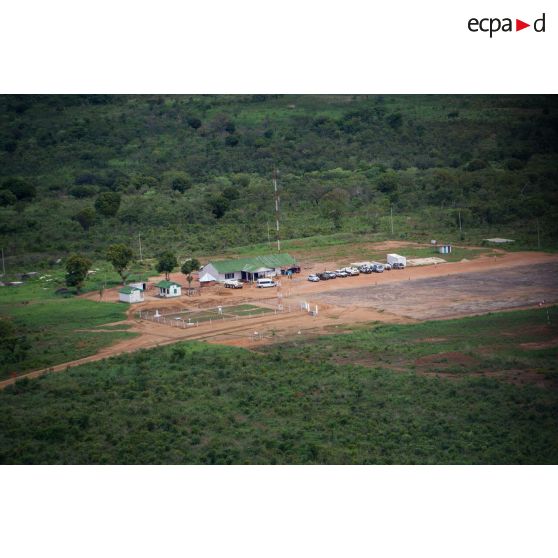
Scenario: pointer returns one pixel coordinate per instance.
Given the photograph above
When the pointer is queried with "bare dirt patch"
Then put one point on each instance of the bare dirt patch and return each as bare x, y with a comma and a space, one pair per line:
549, 344
456, 294
450, 359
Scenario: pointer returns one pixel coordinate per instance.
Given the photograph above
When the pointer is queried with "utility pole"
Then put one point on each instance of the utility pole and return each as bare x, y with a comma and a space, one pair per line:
139, 240
459, 213
391, 218
277, 204
268, 235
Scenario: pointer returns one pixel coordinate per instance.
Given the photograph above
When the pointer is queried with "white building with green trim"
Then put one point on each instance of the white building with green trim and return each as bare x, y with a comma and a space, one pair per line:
246, 269
130, 294
168, 289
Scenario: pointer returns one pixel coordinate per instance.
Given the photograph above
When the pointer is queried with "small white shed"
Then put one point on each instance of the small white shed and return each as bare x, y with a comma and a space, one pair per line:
168, 289
130, 295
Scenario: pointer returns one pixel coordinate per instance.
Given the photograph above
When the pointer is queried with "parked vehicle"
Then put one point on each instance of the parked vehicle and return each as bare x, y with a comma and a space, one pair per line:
293, 269
352, 271
331, 274
387, 267
341, 273
365, 269
265, 282
396, 258
397, 265
378, 268
324, 276
233, 284
313, 278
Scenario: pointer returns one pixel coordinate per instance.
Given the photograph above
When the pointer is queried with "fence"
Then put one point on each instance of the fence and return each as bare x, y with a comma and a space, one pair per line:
211, 316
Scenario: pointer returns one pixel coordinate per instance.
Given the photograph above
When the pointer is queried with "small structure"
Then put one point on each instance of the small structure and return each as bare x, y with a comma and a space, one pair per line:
130, 294
138, 281
168, 289
443, 248
396, 258
246, 269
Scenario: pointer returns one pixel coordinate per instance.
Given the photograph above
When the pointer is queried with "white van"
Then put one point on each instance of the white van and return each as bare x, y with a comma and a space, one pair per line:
265, 282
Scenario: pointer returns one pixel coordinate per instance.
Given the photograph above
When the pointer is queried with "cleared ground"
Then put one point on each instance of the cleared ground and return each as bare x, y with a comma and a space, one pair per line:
458, 294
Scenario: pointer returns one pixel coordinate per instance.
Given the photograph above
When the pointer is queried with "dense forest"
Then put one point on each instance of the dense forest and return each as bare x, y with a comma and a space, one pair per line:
78, 172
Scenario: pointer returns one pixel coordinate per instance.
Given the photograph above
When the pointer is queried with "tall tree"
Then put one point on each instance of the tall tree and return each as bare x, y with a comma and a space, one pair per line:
187, 267
120, 256
76, 271
85, 217
167, 262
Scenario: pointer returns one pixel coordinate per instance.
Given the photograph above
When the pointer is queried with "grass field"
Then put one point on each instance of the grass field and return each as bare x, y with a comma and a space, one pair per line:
367, 396
55, 329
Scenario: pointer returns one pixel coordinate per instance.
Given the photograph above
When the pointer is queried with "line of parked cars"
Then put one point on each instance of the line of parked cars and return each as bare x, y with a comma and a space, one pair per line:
373, 267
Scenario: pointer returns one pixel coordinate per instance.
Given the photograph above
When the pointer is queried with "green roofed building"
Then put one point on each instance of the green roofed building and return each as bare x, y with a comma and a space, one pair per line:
168, 289
130, 294
247, 269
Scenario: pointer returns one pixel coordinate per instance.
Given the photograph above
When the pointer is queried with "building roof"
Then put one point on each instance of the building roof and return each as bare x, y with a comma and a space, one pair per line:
137, 278
164, 284
128, 290
270, 261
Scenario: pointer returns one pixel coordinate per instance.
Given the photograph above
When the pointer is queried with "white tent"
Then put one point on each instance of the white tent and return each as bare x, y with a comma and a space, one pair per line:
206, 278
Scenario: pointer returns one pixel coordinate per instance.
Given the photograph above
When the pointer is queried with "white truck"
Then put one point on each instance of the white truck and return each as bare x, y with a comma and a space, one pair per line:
265, 282
399, 261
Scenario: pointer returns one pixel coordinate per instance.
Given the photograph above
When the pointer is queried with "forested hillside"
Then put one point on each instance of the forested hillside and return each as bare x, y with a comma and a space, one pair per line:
194, 172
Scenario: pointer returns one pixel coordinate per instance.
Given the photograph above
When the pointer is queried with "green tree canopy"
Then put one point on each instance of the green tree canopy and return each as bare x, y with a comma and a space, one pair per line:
86, 218
108, 203
21, 189
120, 256
190, 265
7, 198
167, 262
334, 205
76, 270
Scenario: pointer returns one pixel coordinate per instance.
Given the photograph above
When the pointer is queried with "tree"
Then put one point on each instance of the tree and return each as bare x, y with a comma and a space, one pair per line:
179, 181
194, 122
76, 271
333, 206
120, 256
219, 205
108, 203
7, 197
20, 188
167, 262
187, 267
86, 218
190, 265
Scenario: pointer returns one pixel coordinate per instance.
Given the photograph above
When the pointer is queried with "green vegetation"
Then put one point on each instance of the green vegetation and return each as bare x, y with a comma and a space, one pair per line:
299, 403
77, 268
40, 329
193, 173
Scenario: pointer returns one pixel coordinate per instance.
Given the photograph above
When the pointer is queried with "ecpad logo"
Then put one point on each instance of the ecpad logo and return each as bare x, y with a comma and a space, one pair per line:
493, 25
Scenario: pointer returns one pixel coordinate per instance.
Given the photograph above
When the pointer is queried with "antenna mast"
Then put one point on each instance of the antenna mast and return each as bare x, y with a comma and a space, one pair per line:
277, 201
277, 204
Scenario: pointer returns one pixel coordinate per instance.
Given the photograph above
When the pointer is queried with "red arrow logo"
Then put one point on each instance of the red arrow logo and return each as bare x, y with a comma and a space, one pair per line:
519, 25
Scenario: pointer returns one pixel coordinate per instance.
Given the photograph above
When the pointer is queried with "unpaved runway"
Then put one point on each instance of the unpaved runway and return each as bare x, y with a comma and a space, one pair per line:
456, 294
